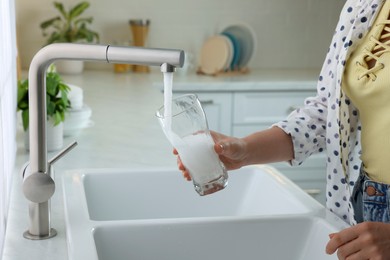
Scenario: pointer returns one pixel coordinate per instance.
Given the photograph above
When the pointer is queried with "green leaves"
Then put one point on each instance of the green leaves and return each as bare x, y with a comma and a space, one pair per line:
60, 8
22, 101
49, 22
78, 10
57, 102
69, 27
56, 97
22, 94
25, 119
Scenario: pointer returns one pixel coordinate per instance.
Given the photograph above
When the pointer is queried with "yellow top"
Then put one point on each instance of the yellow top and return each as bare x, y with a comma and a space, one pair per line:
366, 82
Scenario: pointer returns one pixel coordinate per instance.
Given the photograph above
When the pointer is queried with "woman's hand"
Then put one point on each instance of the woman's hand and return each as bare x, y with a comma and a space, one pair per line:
367, 240
232, 153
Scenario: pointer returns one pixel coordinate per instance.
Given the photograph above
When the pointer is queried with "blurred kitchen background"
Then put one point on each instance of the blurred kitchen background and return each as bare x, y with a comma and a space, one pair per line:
290, 33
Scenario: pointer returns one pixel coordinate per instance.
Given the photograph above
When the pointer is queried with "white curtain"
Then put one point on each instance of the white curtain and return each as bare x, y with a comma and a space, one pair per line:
8, 88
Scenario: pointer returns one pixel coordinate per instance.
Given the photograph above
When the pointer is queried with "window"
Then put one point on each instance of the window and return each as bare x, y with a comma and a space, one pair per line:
8, 81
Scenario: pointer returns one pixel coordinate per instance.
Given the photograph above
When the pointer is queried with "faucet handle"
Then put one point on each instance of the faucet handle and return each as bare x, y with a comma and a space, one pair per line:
38, 187
62, 153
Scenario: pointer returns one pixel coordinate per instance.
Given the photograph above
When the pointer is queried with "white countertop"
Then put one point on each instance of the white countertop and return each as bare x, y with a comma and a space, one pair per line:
280, 80
126, 134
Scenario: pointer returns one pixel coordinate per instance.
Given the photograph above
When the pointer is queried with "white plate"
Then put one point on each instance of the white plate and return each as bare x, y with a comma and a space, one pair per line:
75, 130
75, 96
77, 119
247, 38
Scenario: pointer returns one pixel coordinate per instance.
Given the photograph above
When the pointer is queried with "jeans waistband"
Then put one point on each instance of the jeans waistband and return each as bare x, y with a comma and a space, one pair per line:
370, 187
367, 198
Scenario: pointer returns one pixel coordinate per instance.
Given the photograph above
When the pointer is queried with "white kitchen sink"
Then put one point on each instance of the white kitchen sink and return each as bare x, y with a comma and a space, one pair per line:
151, 194
155, 214
263, 238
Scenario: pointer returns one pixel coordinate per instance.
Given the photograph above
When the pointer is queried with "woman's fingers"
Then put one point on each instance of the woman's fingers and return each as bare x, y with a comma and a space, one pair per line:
182, 168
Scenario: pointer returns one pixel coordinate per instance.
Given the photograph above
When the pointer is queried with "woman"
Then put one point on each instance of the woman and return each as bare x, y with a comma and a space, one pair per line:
350, 120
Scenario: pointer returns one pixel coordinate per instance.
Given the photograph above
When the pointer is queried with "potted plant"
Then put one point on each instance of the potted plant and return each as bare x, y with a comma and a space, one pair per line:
57, 104
69, 26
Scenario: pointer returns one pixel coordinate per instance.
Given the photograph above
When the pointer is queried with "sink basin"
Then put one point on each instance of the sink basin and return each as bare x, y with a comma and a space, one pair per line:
155, 214
295, 238
151, 194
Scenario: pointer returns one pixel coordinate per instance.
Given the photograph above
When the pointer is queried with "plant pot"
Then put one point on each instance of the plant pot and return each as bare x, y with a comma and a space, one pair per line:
54, 136
69, 66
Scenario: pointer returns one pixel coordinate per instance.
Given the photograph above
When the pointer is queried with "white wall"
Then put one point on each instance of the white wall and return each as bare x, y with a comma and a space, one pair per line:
290, 33
7, 107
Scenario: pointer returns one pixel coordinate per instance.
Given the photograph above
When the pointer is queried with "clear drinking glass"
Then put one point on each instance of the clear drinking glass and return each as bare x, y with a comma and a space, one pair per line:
189, 134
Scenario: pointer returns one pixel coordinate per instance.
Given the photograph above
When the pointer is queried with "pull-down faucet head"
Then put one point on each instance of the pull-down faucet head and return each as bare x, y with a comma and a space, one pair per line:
167, 59
165, 67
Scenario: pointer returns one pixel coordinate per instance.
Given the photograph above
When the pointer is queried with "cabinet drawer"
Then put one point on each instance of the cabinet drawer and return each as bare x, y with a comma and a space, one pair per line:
218, 110
313, 168
310, 176
316, 189
255, 107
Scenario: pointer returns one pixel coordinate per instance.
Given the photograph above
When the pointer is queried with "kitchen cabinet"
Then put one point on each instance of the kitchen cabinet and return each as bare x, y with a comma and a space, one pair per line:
256, 110
310, 176
241, 111
218, 110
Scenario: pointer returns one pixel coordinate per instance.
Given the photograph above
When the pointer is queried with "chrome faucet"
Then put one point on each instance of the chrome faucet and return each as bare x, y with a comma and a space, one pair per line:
38, 184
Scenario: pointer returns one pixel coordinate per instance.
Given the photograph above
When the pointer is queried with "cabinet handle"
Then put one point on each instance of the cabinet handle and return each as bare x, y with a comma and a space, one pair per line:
312, 192
207, 102
292, 108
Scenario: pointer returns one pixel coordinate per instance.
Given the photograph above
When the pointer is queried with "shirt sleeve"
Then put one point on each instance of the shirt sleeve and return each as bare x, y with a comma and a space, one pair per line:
307, 127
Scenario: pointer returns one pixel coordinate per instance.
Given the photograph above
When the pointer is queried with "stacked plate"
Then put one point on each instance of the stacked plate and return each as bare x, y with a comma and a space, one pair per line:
78, 117
230, 50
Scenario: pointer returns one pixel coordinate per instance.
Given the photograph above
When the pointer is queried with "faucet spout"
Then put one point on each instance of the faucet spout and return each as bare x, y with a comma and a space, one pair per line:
37, 101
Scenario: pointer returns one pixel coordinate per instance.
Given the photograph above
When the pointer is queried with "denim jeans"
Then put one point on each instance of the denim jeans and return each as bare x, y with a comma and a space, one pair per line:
370, 200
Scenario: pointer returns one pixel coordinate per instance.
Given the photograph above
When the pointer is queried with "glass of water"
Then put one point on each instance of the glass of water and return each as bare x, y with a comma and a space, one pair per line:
185, 126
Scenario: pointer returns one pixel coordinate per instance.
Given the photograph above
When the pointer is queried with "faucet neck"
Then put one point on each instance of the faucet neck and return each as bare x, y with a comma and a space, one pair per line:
37, 93
71, 51
39, 205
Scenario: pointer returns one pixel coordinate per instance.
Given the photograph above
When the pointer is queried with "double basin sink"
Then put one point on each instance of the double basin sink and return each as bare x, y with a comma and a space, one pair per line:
155, 214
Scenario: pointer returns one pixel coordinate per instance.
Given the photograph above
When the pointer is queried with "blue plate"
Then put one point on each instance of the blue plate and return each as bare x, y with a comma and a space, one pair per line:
236, 50
247, 39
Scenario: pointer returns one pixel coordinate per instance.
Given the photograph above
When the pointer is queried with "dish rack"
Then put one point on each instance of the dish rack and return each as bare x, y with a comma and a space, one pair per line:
227, 73
229, 52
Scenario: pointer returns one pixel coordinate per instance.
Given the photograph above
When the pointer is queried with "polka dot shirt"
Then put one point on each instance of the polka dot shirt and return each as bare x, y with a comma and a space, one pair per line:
316, 127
